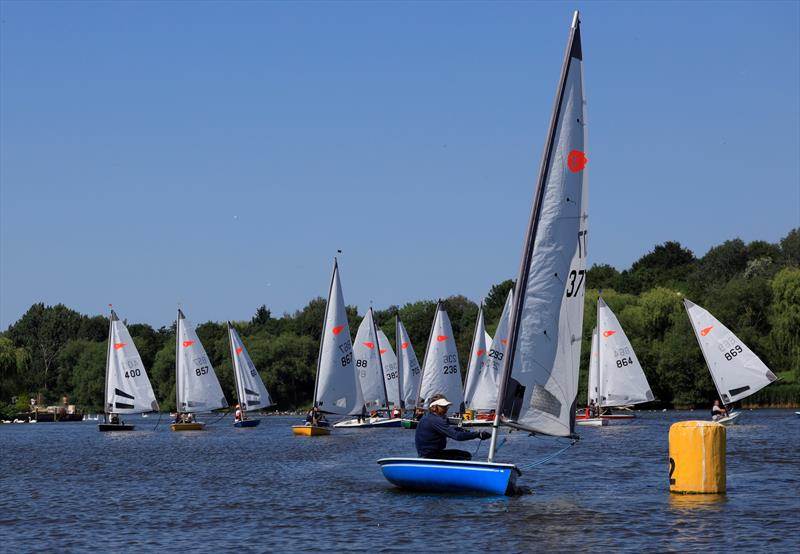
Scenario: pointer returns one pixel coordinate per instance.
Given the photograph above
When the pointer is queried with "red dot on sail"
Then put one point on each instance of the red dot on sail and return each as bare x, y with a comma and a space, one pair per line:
383, 351
404, 345
706, 331
369, 344
576, 161
338, 329
503, 341
187, 343
239, 349
480, 352
608, 333
119, 345
442, 338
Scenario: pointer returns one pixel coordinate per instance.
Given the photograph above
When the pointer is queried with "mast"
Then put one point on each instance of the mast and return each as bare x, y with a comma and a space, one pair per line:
599, 356
108, 366
177, 361
399, 370
380, 360
324, 323
427, 348
573, 50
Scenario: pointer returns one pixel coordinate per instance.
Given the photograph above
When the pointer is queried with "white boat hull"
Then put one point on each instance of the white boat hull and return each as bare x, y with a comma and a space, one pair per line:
729, 420
371, 422
592, 422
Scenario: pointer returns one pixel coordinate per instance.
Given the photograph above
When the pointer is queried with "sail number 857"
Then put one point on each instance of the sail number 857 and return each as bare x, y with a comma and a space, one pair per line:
574, 282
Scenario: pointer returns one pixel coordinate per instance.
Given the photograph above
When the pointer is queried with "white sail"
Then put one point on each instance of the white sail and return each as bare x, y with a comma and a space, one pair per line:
736, 370
594, 372
336, 390
128, 390
621, 374
198, 389
250, 389
408, 365
441, 373
488, 338
368, 365
391, 372
485, 396
476, 357
540, 377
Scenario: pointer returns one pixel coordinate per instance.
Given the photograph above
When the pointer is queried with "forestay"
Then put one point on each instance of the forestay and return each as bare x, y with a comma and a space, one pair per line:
485, 396
336, 389
541, 373
407, 364
368, 365
250, 389
477, 355
441, 373
737, 372
128, 390
198, 389
622, 379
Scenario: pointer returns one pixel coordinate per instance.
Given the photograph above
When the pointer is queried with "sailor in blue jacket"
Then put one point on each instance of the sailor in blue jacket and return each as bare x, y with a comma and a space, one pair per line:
433, 430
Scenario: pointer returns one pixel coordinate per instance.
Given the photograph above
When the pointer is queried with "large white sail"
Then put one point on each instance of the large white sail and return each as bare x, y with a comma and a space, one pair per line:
408, 365
250, 389
477, 355
736, 370
540, 377
198, 389
368, 365
621, 374
441, 373
485, 395
128, 390
391, 373
594, 372
336, 389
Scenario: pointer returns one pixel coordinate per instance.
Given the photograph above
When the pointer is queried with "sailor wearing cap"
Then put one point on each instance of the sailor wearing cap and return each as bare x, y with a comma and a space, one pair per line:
433, 430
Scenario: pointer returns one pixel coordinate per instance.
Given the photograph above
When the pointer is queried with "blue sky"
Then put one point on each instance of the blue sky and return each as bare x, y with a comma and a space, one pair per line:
218, 154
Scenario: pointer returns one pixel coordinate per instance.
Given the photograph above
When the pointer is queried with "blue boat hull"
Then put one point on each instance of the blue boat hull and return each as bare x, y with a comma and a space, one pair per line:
247, 423
450, 476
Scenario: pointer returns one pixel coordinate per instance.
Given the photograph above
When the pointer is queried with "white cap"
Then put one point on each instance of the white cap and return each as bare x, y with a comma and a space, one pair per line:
441, 402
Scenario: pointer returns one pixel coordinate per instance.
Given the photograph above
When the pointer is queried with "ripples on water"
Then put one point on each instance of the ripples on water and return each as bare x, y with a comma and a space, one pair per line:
67, 487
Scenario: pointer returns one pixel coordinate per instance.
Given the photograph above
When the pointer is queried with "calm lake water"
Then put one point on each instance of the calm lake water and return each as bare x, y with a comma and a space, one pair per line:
67, 487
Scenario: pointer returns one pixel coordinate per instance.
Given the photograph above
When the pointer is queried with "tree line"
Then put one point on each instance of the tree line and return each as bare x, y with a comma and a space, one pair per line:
754, 289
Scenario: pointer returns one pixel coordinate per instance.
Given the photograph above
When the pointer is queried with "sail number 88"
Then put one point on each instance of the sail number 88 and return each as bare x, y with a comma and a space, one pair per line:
733, 352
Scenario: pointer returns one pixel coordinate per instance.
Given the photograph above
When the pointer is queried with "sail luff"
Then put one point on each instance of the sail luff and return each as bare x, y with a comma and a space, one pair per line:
380, 358
399, 369
234, 364
106, 402
177, 360
323, 336
472, 364
573, 50
425, 358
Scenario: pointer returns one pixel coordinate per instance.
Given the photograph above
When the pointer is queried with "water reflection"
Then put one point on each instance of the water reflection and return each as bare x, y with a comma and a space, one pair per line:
697, 502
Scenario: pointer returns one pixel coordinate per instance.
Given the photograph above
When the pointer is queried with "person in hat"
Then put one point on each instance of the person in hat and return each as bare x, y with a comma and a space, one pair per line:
433, 431
237, 415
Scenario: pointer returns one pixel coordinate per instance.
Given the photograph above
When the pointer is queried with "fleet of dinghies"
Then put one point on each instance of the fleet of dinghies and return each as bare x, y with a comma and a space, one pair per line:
524, 378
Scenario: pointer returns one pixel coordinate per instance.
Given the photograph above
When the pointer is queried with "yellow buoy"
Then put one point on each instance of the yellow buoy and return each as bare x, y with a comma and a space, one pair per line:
697, 457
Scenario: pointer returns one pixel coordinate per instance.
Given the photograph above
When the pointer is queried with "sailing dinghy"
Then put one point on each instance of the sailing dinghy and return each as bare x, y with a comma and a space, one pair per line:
336, 388
616, 377
409, 369
196, 386
539, 381
372, 379
250, 389
127, 388
735, 369
477, 354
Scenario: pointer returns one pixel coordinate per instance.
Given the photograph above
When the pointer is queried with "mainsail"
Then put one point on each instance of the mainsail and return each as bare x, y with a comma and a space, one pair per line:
198, 389
485, 394
441, 373
128, 390
594, 372
477, 355
540, 375
391, 373
407, 364
368, 365
736, 370
622, 379
250, 389
336, 389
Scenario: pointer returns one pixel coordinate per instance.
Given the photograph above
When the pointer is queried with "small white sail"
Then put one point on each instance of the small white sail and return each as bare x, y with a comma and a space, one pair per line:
594, 372
736, 370
336, 390
540, 378
250, 389
441, 373
408, 364
368, 365
198, 389
477, 355
485, 396
622, 378
391, 372
128, 390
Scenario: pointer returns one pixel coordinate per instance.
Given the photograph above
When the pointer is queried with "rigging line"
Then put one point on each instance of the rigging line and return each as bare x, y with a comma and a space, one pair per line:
531, 465
496, 448
159, 420
220, 418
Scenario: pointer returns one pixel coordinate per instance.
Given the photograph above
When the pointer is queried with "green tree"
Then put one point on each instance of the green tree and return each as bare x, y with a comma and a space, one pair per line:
13, 368
88, 361
785, 318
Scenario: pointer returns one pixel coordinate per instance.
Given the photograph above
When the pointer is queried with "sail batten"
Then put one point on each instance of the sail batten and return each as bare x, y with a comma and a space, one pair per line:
538, 387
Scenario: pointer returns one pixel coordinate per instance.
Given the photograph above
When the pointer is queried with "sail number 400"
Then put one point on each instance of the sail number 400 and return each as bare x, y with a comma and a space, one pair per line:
133, 373
733, 352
